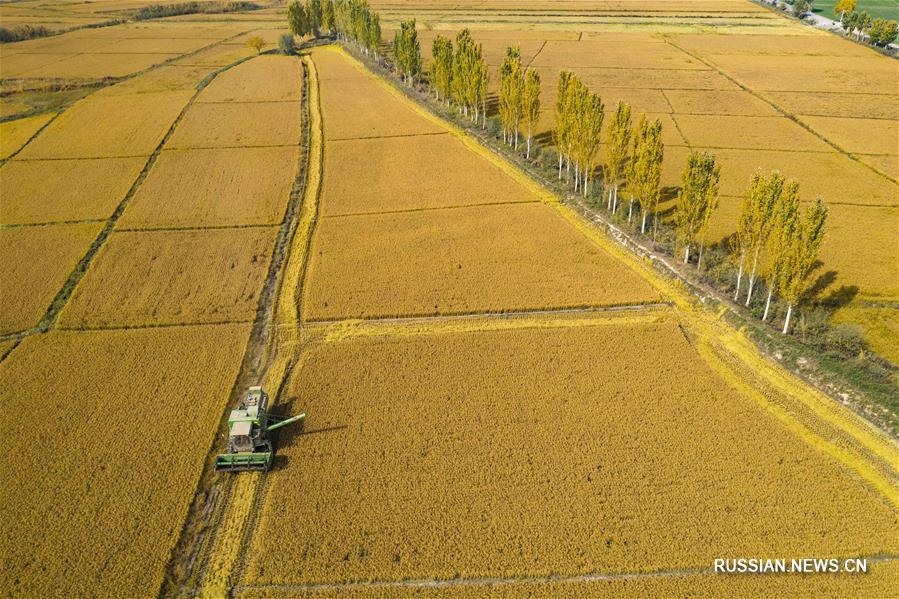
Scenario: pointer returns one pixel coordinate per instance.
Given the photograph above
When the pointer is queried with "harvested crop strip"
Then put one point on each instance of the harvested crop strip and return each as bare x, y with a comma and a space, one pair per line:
400, 173
214, 187
35, 263
488, 258
592, 436
173, 277
358, 107
236, 125
262, 79
41, 191
113, 428
130, 125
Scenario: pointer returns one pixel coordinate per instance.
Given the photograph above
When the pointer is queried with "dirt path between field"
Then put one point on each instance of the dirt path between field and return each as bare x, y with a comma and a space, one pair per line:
214, 530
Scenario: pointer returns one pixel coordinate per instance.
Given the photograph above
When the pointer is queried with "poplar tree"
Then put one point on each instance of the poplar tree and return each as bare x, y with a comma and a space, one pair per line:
469, 77
407, 51
441, 69
782, 241
842, 7
373, 32
328, 15
314, 16
645, 174
802, 257
531, 104
696, 201
617, 147
591, 132
560, 133
511, 92
482, 81
755, 224
296, 19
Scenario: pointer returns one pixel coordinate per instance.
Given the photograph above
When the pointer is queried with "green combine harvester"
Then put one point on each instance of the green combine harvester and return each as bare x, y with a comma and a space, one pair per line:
249, 447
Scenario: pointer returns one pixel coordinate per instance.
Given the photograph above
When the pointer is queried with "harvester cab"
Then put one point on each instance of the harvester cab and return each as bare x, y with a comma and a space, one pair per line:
249, 446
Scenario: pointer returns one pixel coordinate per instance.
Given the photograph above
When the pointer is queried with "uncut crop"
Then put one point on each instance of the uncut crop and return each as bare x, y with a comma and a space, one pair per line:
15, 134
378, 175
214, 187
484, 258
263, 79
133, 125
173, 277
212, 125
608, 448
42, 191
109, 451
35, 263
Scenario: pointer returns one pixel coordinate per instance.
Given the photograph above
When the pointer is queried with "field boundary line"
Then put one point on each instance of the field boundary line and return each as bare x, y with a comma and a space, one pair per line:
491, 581
511, 314
397, 136
92, 221
433, 208
197, 228
668, 281
33, 136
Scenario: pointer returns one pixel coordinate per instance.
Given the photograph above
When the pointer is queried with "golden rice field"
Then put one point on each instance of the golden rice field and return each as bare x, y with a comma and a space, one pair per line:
593, 465
214, 187
133, 125
109, 451
15, 134
611, 437
226, 125
878, 583
35, 262
39, 191
456, 260
173, 277
364, 176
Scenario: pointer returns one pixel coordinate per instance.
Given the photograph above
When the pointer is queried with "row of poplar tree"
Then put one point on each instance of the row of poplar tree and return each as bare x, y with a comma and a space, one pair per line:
350, 20
773, 236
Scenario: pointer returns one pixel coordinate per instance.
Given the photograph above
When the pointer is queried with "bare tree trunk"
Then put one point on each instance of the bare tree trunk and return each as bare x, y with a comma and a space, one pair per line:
643, 224
768, 303
630, 210
687, 254
699, 262
739, 276
755, 263
586, 180
527, 155
560, 166
787, 319
609, 200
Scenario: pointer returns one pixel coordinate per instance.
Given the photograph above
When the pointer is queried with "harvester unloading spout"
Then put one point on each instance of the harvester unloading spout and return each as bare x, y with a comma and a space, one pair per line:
249, 446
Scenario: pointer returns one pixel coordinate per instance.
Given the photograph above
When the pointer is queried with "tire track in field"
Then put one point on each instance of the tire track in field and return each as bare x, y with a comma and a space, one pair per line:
227, 556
